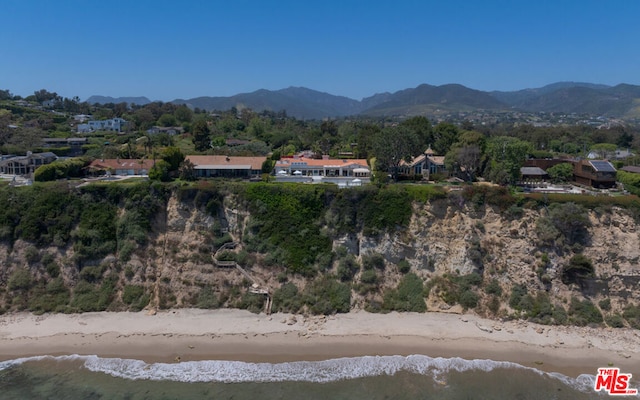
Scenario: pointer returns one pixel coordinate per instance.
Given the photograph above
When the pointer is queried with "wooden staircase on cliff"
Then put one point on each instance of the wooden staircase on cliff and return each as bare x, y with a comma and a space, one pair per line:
257, 286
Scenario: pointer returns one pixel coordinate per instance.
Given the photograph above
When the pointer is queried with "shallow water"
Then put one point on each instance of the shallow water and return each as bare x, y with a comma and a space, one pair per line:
392, 377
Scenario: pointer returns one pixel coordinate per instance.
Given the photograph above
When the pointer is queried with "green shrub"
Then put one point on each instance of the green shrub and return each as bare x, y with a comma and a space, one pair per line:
252, 302
404, 266
285, 217
517, 293
373, 261
327, 296
494, 304
369, 277
207, 298
387, 209
614, 321
347, 268
559, 315
54, 298
605, 304
584, 312
86, 297
631, 314
20, 279
89, 297
132, 293
407, 296
91, 274
469, 299
480, 195
287, 299
32, 254
493, 287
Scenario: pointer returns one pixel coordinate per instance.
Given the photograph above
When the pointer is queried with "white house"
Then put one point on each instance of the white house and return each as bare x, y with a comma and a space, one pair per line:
113, 124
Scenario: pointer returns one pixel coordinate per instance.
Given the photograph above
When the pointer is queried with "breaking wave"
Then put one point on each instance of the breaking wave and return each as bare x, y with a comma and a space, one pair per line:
298, 371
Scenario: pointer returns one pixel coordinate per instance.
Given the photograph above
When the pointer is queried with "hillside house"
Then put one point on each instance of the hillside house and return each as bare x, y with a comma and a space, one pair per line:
113, 124
343, 172
533, 175
425, 164
227, 166
169, 130
25, 165
631, 168
74, 144
120, 166
595, 173
82, 117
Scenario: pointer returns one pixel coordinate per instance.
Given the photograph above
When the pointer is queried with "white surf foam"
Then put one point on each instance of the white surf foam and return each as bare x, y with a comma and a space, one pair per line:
298, 371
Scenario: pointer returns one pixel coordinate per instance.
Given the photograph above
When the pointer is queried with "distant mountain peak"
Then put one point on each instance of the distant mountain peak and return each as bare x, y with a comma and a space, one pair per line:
424, 99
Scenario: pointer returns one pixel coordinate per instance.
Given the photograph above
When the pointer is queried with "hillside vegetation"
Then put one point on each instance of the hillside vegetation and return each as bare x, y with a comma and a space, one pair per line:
553, 259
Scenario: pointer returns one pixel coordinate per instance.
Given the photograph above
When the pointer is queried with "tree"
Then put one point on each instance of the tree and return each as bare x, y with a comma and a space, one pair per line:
187, 170
173, 156
466, 160
467, 154
624, 139
143, 118
365, 137
43, 95
5, 95
507, 154
560, 173
200, 132
422, 128
391, 146
604, 150
167, 120
183, 114
444, 136
160, 171
572, 220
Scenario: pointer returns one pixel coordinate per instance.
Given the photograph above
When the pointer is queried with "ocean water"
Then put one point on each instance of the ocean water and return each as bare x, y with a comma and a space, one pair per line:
374, 377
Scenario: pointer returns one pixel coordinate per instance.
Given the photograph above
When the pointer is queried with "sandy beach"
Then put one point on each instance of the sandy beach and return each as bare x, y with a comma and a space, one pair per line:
190, 334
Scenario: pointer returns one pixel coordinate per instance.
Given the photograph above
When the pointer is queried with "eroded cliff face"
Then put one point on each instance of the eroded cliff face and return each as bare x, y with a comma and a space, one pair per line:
178, 262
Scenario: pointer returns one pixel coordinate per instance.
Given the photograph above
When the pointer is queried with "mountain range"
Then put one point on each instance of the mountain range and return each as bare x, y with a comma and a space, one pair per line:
620, 101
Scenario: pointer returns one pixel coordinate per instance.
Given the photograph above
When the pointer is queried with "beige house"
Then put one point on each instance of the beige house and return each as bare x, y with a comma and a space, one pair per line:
227, 166
121, 166
425, 164
343, 172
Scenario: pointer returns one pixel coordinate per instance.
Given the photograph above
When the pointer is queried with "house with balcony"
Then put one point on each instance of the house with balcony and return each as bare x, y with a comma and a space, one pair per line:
113, 124
25, 165
595, 173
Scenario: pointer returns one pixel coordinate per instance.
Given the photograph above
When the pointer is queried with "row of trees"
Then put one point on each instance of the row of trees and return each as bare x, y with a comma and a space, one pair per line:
469, 151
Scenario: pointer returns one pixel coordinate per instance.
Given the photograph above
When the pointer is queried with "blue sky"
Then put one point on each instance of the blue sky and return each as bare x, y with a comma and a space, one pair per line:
182, 49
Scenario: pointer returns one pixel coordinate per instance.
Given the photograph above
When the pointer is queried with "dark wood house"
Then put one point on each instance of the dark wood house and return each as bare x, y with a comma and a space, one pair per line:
595, 173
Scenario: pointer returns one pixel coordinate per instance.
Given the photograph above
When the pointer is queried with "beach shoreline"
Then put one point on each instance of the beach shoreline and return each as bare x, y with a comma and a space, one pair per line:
190, 335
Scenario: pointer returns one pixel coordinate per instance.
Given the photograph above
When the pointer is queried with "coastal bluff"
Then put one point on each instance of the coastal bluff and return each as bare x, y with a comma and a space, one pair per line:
320, 250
